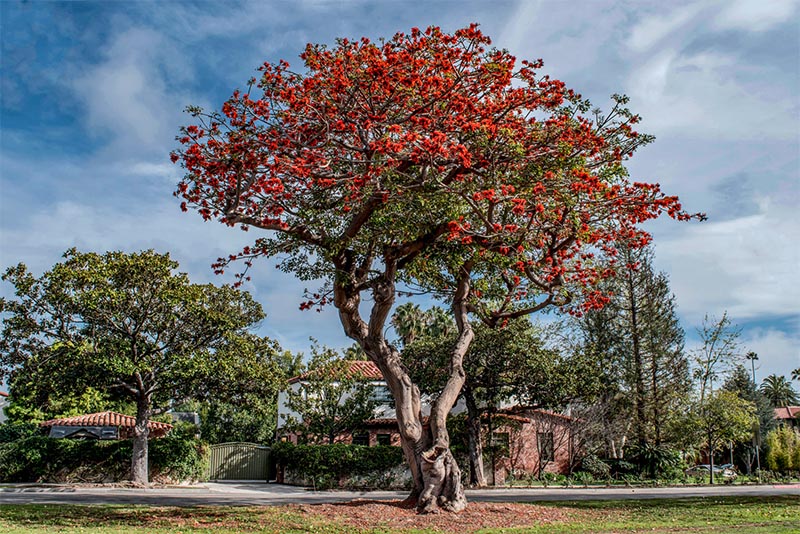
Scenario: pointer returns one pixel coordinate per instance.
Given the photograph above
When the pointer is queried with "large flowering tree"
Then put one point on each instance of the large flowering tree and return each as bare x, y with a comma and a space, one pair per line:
427, 159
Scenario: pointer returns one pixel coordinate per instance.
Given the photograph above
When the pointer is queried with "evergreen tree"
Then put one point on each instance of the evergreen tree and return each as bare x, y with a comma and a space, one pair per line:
640, 333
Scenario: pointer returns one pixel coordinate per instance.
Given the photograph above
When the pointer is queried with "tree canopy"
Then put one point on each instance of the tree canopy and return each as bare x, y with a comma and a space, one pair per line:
431, 159
779, 391
130, 325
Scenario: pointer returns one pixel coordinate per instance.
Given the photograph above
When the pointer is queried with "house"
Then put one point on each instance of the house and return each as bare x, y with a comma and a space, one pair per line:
3, 403
526, 440
381, 430
102, 425
532, 442
788, 416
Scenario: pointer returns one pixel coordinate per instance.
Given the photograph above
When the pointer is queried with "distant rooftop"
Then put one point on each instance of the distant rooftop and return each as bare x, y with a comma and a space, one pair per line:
366, 370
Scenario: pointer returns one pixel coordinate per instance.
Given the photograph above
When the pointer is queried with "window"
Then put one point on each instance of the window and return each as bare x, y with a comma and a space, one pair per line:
384, 439
361, 438
546, 451
500, 440
381, 395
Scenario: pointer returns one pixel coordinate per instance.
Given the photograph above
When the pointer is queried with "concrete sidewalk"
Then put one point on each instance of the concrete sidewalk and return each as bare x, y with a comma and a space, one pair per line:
248, 494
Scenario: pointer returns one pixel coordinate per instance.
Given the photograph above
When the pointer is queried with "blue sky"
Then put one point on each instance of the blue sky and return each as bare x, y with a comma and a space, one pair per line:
92, 97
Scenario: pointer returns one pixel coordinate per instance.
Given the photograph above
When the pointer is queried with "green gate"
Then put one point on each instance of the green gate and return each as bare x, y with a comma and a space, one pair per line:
239, 461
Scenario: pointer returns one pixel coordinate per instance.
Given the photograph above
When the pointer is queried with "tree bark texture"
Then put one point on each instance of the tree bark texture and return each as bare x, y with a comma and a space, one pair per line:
141, 433
477, 478
437, 478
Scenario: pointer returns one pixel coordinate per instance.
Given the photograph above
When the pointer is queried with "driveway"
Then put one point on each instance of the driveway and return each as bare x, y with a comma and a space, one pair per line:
248, 494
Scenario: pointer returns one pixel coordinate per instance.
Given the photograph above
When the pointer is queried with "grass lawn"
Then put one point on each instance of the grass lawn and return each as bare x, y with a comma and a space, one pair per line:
714, 514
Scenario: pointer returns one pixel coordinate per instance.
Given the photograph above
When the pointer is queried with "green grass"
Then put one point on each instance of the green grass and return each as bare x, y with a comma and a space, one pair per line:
713, 514
773, 515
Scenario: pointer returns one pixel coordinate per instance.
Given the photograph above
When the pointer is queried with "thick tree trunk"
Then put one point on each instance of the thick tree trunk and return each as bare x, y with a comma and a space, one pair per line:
477, 478
141, 433
437, 479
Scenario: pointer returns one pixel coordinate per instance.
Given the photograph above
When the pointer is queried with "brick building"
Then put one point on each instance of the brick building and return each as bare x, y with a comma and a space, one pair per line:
528, 441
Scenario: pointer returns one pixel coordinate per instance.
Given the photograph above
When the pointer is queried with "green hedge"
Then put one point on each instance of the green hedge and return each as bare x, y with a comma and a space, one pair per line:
44, 459
337, 461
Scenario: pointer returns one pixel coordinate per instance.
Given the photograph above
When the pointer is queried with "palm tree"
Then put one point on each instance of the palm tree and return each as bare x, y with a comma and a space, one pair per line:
408, 322
438, 323
796, 374
779, 391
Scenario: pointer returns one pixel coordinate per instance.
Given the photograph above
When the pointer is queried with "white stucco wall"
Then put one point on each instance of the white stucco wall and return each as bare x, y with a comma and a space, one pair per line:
3, 402
385, 411
382, 411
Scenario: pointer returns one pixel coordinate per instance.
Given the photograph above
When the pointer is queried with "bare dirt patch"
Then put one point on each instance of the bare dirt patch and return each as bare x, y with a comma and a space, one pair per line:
366, 514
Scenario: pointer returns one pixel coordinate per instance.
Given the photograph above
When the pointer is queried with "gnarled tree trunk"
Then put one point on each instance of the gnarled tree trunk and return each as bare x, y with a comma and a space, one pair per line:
437, 478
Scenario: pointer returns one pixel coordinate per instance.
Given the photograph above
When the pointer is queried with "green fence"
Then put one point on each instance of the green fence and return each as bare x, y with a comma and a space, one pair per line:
240, 461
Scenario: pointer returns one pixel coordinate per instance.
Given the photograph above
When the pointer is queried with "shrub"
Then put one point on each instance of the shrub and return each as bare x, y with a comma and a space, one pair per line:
656, 461
783, 450
326, 465
621, 468
583, 477
18, 430
43, 459
595, 466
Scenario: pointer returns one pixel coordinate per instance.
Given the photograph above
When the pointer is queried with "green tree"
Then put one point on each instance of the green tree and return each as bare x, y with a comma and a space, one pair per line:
408, 322
720, 351
720, 418
638, 336
741, 383
31, 400
125, 323
657, 368
796, 374
329, 399
779, 391
244, 404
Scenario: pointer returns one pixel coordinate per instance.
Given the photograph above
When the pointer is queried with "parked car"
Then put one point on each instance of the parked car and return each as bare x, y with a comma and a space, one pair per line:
726, 471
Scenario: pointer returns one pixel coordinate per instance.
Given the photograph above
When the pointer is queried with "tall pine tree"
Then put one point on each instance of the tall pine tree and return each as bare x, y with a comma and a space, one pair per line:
639, 329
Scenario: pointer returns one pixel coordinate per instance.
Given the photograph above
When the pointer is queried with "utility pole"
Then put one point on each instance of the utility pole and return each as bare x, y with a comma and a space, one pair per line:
752, 356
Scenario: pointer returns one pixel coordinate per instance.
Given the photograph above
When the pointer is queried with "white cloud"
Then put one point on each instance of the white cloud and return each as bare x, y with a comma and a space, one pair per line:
755, 15
778, 351
698, 96
130, 97
652, 30
747, 266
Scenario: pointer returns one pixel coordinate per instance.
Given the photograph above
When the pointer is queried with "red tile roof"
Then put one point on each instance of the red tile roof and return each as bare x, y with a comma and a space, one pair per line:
105, 419
366, 370
523, 411
787, 412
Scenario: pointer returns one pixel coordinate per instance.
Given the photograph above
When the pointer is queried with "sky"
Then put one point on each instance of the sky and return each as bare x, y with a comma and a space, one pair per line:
92, 96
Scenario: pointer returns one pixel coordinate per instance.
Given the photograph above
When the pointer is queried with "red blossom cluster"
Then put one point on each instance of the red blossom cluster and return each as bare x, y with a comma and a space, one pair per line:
504, 159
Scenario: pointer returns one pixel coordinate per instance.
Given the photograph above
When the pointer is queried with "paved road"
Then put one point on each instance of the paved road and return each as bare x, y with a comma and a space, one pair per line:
273, 494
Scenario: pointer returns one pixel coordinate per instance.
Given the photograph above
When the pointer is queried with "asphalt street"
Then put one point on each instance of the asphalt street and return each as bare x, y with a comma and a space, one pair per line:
248, 494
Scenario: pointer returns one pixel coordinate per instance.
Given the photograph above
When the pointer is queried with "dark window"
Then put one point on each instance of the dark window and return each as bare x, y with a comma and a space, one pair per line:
546, 452
361, 439
384, 439
500, 440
